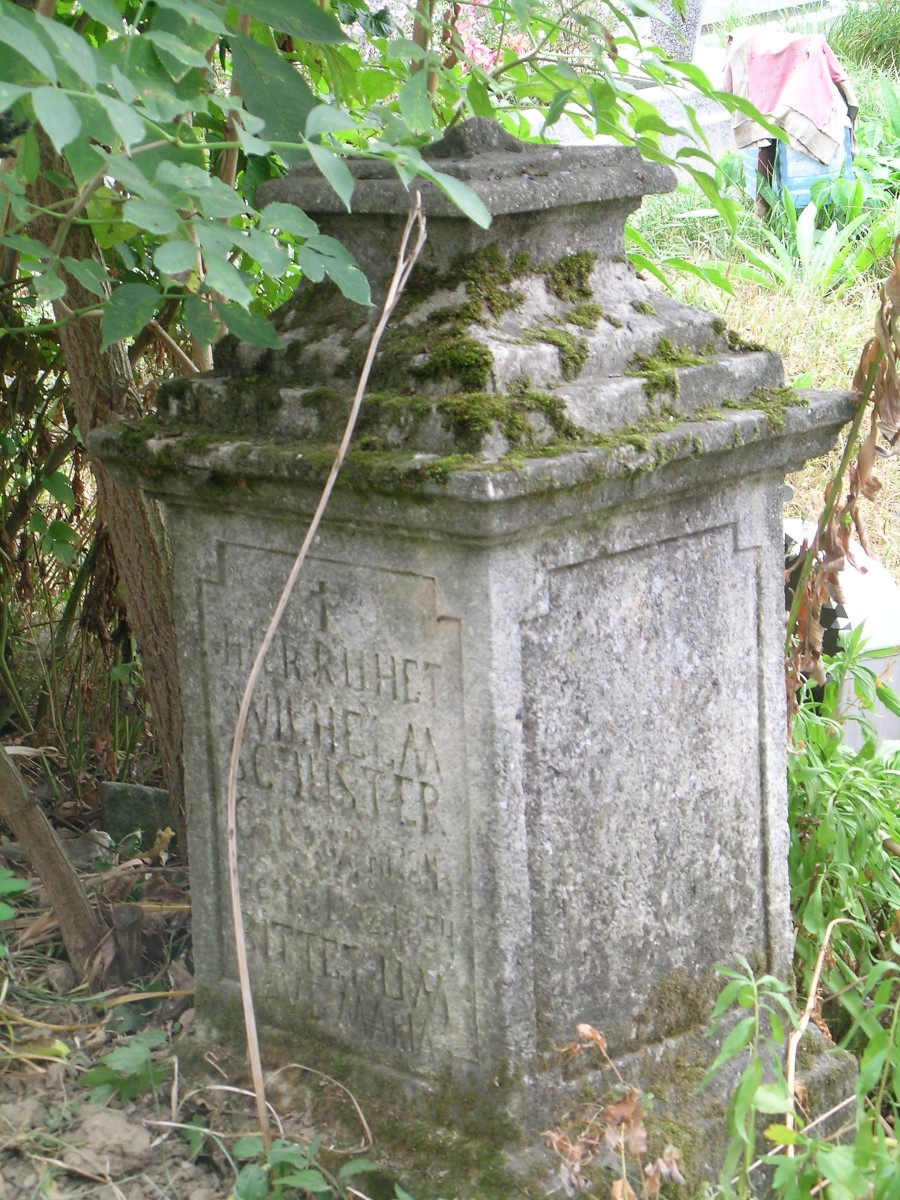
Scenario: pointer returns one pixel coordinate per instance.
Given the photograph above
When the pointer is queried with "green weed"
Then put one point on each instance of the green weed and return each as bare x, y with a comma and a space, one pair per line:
868, 34
129, 1070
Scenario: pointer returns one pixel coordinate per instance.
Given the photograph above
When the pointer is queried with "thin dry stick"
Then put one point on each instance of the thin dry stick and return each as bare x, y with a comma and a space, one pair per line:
172, 346
405, 263
367, 1132
797, 1034
845, 1103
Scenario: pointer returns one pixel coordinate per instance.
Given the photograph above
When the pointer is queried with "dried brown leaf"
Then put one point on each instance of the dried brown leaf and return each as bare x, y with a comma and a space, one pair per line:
892, 283
625, 1110
867, 361
587, 1033
621, 1189
636, 1139
652, 1181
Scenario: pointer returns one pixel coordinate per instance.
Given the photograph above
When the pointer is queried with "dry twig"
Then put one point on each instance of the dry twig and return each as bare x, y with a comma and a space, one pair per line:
406, 260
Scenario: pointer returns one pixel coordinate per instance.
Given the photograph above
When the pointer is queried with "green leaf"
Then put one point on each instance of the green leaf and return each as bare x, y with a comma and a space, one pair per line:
195, 1136
350, 279
104, 11
57, 114
176, 258
289, 219
781, 1135
891, 105
27, 44
467, 201
139, 62
251, 1183
223, 278
837, 1164
772, 1098
184, 54
309, 1180
199, 321
335, 171
328, 118
220, 201
357, 1167
60, 489
415, 103
11, 884
9, 94
28, 246
129, 309
126, 122
77, 54
479, 98
29, 159
155, 217
248, 326
194, 14
273, 90
49, 286
248, 1147
738, 1039
302, 19
265, 249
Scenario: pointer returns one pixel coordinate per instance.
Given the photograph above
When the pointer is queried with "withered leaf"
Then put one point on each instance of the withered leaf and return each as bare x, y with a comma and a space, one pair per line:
587, 1033
621, 1189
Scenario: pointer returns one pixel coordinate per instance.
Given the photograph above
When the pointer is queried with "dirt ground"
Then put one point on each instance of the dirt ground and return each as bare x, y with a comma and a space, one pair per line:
55, 1143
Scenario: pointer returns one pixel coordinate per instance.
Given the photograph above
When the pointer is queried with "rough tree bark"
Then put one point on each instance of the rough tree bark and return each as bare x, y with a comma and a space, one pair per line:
80, 929
101, 389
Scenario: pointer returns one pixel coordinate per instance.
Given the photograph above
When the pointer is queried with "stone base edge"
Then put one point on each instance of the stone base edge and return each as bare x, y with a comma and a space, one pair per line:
446, 1139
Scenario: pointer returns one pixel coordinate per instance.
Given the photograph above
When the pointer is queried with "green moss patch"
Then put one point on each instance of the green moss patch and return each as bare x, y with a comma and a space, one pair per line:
573, 350
587, 315
660, 369
774, 402
570, 278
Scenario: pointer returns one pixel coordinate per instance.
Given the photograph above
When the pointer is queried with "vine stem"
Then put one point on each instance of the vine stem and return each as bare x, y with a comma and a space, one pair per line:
797, 1033
406, 259
830, 502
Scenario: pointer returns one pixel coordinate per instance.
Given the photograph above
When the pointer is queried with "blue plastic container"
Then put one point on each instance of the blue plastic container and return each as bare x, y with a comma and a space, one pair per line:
797, 172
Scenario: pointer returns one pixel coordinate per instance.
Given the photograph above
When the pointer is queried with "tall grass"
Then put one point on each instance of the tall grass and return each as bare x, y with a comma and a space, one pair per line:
868, 34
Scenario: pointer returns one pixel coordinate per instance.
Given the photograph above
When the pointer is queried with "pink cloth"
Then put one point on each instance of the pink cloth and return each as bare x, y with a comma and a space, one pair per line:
796, 80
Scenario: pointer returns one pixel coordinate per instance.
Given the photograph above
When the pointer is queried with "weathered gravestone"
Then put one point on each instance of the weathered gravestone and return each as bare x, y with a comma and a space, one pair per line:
517, 758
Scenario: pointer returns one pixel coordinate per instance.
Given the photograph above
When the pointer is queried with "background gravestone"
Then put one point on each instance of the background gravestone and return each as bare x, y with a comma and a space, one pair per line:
517, 758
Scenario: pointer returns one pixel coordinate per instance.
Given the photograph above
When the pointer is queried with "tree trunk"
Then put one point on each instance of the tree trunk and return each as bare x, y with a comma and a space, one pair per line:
101, 388
80, 929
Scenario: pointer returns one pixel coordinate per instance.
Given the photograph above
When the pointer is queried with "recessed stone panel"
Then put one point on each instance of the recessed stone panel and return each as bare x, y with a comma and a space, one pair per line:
353, 816
635, 745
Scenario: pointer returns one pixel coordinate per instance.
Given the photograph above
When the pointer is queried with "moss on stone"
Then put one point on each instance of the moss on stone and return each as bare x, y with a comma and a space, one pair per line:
569, 278
437, 1139
573, 350
644, 307
740, 344
471, 416
587, 314
614, 321
774, 402
660, 369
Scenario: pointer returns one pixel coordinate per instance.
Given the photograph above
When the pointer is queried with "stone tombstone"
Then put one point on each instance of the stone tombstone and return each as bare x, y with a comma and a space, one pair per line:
517, 758
678, 31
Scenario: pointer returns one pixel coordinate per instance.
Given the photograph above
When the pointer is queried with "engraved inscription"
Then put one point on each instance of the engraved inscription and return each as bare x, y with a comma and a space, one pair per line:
352, 815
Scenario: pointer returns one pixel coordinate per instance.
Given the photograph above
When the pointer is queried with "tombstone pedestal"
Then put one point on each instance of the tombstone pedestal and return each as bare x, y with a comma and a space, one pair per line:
517, 757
